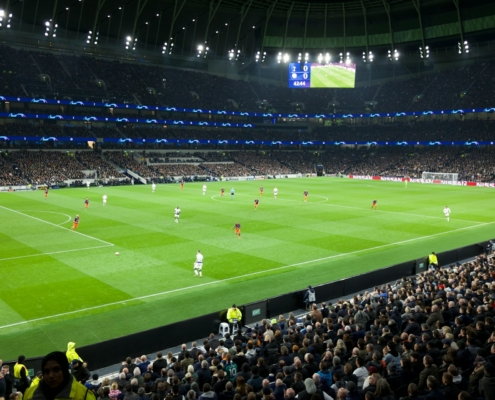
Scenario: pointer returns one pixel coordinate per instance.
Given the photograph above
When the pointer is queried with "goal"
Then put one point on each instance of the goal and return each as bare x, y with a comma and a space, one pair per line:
440, 176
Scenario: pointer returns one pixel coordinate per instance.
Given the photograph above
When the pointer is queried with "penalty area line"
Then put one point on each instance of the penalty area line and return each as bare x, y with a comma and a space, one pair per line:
58, 226
149, 296
55, 252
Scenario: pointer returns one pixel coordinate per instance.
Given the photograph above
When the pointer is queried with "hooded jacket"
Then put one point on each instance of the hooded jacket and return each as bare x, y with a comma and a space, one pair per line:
71, 352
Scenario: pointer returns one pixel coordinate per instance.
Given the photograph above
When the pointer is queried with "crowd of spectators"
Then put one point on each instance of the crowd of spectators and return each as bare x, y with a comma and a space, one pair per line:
426, 337
174, 170
448, 130
93, 161
46, 167
126, 160
261, 163
470, 163
9, 175
84, 77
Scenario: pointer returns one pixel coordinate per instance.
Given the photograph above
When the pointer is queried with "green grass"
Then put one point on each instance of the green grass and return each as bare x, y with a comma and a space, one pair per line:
60, 286
332, 76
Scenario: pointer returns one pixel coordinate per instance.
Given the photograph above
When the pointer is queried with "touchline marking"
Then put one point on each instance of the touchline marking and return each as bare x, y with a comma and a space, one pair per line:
236, 277
55, 252
58, 226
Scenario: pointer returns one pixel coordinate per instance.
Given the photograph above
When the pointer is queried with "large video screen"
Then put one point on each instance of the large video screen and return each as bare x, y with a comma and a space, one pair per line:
315, 75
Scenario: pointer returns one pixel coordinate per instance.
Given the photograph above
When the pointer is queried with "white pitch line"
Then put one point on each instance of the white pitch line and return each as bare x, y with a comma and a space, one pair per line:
236, 277
55, 252
58, 226
325, 203
52, 212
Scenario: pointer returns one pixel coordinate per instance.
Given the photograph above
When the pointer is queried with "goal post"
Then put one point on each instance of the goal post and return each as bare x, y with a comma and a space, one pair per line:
440, 176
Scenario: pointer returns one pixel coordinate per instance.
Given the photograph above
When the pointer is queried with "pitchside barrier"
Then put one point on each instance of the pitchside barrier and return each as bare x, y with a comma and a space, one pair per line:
110, 352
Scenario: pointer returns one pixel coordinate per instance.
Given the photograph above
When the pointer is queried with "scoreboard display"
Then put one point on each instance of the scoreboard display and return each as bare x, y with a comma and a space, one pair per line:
299, 75
315, 75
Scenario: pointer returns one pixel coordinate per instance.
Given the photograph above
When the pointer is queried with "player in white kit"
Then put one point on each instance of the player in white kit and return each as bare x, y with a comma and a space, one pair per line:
275, 192
198, 265
446, 212
204, 190
104, 198
87, 184
153, 187
177, 214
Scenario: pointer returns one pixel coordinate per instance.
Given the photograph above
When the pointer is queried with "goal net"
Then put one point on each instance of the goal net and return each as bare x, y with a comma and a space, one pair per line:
440, 176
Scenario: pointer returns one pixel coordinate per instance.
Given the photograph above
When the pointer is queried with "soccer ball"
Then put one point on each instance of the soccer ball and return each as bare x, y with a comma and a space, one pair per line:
117, 253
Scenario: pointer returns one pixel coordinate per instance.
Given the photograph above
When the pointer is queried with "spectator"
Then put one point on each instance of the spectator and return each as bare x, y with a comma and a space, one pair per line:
57, 382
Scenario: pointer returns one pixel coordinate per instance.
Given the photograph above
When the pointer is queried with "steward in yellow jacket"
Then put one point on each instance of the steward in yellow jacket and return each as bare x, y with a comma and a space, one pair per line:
57, 382
71, 353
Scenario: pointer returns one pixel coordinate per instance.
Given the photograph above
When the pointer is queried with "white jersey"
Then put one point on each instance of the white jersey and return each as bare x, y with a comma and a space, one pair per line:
153, 187
177, 212
104, 198
199, 258
446, 211
275, 191
87, 184
204, 188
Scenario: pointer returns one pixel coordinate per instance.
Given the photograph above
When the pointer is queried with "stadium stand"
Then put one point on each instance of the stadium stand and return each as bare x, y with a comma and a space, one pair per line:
83, 77
433, 333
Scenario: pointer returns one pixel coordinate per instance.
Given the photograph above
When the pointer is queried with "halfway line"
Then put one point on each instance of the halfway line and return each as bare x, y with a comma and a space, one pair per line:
237, 277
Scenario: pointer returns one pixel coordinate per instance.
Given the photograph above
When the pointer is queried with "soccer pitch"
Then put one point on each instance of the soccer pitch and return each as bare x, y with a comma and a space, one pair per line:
60, 286
332, 76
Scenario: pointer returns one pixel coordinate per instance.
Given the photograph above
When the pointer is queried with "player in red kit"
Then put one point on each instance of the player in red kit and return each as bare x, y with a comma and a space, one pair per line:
237, 227
75, 223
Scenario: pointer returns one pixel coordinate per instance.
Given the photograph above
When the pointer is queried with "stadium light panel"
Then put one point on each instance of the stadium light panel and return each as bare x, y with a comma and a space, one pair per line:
306, 57
320, 58
286, 58
279, 58
328, 58
2, 13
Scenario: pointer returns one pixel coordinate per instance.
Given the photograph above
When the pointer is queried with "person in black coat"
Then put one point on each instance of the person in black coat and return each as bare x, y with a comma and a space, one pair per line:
204, 374
9, 380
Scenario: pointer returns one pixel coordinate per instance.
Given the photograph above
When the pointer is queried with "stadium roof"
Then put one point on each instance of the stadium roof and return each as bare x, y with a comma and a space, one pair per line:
252, 25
